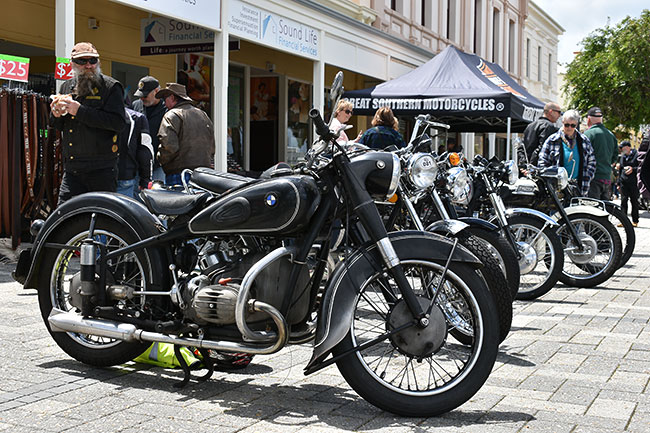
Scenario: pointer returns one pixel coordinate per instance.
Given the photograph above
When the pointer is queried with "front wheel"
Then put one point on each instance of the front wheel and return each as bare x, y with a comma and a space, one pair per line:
599, 256
541, 256
421, 371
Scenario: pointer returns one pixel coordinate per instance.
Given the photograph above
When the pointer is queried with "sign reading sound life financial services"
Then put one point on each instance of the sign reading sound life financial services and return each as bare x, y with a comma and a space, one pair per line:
204, 13
255, 24
170, 36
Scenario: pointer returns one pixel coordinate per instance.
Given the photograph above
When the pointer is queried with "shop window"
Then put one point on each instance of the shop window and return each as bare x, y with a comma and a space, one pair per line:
129, 76
298, 129
194, 72
264, 122
236, 87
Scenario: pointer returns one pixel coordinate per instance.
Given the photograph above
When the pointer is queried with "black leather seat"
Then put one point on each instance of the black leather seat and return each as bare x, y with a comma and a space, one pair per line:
161, 201
218, 181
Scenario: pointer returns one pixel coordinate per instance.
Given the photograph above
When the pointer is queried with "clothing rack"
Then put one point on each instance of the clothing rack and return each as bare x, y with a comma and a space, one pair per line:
30, 161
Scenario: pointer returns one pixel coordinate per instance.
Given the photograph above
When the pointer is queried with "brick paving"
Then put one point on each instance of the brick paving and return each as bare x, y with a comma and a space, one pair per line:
577, 360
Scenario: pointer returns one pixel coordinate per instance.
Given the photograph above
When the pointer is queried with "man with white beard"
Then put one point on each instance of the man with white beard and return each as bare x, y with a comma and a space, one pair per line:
89, 112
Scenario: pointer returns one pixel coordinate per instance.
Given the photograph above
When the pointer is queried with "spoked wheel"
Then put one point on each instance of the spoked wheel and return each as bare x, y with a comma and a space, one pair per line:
541, 256
497, 245
421, 371
600, 254
625, 230
59, 282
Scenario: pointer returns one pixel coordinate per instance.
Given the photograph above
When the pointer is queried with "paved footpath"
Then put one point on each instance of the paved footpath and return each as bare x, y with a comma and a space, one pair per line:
577, 360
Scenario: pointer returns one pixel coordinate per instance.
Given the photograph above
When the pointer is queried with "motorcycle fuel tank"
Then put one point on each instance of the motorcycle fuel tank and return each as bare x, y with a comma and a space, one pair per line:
273, 206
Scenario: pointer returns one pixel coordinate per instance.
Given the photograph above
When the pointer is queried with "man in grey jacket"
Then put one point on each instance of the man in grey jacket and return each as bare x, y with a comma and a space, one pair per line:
186, 135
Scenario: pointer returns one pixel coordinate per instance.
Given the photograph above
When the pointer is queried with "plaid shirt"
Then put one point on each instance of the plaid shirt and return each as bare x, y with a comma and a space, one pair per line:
552, 155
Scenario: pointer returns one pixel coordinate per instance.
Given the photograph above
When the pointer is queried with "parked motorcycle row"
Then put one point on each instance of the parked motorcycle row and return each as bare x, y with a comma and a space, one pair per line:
399, 266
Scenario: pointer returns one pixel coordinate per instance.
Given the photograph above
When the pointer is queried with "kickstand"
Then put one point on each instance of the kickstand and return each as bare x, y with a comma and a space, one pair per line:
184, 366
209, 364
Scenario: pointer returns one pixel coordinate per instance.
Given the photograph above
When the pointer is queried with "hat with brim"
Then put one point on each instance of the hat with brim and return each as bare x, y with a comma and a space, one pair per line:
83, 49
173, 89
146, 85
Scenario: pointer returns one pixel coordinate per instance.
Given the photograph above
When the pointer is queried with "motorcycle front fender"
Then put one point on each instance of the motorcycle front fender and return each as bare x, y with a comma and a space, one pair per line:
337, 307
591, 210
127, 211
480, 223
534, 213
447, 227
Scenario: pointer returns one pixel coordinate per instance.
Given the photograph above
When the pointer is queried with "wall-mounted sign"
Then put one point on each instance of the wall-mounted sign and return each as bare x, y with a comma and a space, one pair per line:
14, 68
204, 13
170, 36
63, 69
257, 25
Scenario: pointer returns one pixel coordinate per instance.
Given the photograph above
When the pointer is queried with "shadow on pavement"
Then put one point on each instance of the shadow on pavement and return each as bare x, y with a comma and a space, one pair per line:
253, 395
513, 358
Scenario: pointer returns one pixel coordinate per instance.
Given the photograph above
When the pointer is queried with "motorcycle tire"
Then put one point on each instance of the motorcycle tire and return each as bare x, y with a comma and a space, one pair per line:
58, 266
589, 271
628, 236
506, 255
442, 373
545, 273
496, 282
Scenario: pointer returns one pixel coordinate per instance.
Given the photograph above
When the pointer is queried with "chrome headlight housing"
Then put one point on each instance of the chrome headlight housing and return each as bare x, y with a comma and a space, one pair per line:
459, 185
512, 171
422, 170
562, 178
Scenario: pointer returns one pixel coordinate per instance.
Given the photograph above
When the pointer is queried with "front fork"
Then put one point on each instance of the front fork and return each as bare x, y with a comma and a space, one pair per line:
573, 233
371, 220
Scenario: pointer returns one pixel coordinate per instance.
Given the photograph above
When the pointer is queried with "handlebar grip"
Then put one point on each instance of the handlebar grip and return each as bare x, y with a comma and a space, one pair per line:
319, 123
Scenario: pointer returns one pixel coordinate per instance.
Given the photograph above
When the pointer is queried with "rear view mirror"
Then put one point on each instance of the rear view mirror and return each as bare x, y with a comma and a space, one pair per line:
337, 87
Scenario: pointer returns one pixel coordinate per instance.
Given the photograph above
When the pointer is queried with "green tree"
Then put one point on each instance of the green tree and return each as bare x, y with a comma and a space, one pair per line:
613, 72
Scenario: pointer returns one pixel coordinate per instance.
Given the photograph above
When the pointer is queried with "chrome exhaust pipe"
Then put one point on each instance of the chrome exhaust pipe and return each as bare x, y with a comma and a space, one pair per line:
64, 321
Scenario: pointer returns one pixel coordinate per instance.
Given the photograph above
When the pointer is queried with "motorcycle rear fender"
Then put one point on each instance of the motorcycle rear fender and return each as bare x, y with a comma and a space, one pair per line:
534, 213
337, 308
129, 212
570, 210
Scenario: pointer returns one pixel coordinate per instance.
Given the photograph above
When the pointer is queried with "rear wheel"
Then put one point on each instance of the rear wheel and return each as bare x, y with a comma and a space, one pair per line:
625, 230
541, 258
497, 284
59, 280
498, 246
601, 253
421, 371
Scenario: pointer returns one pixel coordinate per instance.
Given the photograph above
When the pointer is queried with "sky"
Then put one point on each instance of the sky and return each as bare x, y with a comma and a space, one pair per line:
581, 17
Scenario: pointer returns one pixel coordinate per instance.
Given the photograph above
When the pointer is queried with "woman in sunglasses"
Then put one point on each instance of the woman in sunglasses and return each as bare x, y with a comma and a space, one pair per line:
571, 149
342, 116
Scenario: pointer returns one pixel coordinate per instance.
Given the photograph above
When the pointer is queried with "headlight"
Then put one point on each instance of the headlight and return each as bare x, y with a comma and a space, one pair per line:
459, 185
422, 170
562, 178
512, 171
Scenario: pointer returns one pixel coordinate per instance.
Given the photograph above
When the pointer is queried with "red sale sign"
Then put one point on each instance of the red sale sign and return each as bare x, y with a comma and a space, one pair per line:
14, 68
63, 69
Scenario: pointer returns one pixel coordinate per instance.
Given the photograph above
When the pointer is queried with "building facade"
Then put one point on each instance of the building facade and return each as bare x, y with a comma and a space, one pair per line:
266, 62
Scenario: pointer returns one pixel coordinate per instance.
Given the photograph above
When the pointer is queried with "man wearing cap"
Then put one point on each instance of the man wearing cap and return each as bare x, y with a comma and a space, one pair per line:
186, 134
627, 165
538, 131
90, 114
154, 109
606, 152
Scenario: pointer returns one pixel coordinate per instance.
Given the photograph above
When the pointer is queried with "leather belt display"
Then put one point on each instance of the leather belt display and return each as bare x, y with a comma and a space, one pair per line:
30, 162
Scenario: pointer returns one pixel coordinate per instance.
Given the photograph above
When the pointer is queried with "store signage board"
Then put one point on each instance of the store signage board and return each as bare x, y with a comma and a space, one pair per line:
257, 25
171, 36
14, 68
203, 13
63, 69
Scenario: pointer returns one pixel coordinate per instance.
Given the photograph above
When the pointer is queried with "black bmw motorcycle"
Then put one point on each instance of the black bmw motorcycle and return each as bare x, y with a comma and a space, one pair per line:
239, 268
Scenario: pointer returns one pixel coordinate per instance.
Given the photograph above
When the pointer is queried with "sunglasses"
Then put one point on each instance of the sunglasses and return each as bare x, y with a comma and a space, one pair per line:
91, 60
347, 111
560, 112
570, 125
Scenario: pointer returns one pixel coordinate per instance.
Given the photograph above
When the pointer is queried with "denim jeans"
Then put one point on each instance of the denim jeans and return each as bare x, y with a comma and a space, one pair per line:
128, 187
175, 179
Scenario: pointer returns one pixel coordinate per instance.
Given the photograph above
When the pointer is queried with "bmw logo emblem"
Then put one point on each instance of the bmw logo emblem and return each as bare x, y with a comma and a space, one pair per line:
271, 200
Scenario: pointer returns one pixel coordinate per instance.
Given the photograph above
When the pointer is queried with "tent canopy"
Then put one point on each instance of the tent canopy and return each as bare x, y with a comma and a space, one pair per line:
457, 88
